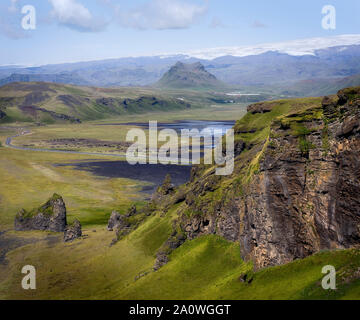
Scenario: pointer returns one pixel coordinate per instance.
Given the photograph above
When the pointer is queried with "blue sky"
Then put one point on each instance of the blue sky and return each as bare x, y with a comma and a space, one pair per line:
81, 30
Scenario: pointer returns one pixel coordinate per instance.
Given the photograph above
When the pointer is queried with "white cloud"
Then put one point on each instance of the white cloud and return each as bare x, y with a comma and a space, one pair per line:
163, 14
74, 15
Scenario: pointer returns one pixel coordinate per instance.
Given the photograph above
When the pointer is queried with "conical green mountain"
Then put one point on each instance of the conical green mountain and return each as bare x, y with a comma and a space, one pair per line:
189, 76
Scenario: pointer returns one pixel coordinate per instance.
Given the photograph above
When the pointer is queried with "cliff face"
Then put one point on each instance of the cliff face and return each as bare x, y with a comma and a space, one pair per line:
306, 196
295, 187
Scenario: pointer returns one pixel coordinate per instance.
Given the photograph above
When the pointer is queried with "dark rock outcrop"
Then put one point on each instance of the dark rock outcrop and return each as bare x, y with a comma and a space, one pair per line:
161, 260
120, 224
260, 107
116, 221
125, 223
51, 216
73, 231
2, 114
162, 256
166, 189
131, 212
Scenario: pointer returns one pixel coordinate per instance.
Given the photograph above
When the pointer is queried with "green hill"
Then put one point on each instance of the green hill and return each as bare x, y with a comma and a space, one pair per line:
49, 102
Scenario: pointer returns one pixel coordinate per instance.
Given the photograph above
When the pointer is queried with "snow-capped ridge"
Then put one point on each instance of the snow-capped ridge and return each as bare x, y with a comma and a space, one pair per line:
295, 48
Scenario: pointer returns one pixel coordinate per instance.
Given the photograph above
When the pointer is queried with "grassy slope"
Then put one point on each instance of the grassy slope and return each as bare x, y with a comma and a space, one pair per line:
87, 268
83, 103
206, 268
210, 268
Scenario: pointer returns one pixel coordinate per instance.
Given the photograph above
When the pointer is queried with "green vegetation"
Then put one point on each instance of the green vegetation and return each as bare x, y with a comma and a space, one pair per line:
206, 268
352, 93
211, 268
305, 146
256, 127
297, 123
300, 131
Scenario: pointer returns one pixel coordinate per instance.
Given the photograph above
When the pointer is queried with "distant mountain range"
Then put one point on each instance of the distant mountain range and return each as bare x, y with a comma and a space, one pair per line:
283, 68
313, 87
189, 76
65, 78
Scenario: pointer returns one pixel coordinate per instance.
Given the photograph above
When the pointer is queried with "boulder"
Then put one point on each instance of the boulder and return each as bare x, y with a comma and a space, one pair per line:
114, 220
132, 211
73, 232
161, 260
120, 224
167, 188
117, 222
2, 114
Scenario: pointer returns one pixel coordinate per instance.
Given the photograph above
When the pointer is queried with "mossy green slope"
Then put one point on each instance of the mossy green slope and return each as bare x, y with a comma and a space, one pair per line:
211, 268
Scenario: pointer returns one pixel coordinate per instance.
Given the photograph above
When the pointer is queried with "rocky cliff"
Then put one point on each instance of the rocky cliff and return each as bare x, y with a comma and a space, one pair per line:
51, 216
294, 190
306, 195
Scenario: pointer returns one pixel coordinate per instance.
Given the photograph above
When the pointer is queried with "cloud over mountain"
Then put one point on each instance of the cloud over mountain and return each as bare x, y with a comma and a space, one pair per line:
75, 15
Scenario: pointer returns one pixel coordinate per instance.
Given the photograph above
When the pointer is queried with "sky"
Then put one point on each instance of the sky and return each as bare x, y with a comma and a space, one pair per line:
84, 30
